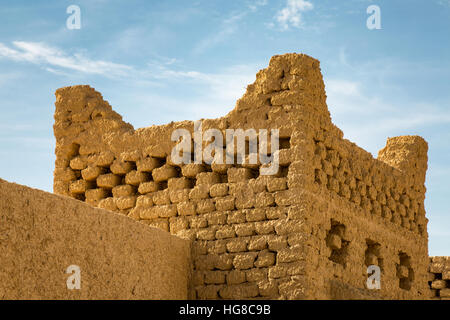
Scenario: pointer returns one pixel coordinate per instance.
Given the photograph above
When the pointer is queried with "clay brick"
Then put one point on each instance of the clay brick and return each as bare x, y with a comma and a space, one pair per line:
219, 190
264, 199
285, 198
91, 173
276, 184
108, 181
237, 245
245, 229
284, 227
123, 191
80, 186
192, 169
177, 196
217, 247
258, 185
224, 262
205, 206
244, 260
164, 173
438, 284
265, 259
290, 254
207, 234
199, 222
78, 163
179, 183
121, 167
273, 213
147, 164
276, 243
216, 218
207, 178
239, 175
199, 192
161, 197
240, 291
268, 288
255, 215
444, 293
214, 277
235, 277
125, 202
147, 213
108, 204
104, 159
136, 177
177, 224
225, 232
264, 227
225, 203
148, 187
256, 274
144, 201
160, 224
446, 275
257, 243
208, 292
95, 195
236, 217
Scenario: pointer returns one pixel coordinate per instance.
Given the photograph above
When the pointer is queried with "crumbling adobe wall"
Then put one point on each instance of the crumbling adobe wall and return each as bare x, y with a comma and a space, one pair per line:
309, 231
439, 277
42, 234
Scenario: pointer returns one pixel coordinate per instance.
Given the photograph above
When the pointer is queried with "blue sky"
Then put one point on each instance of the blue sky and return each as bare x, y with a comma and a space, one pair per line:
162, 61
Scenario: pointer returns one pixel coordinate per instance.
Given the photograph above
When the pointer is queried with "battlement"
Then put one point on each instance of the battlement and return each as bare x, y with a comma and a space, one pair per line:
307, 232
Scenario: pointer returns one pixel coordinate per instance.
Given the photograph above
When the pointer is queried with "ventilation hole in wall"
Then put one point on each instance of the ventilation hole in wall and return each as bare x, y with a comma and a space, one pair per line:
224, 178
80, 196
254, 173
77, 173
284, 170
438, 276
372, 254
74, 151
405, 273
336, 242
285, 143
162, 185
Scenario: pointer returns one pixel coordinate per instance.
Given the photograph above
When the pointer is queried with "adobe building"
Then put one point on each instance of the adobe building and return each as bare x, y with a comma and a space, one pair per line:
309, 231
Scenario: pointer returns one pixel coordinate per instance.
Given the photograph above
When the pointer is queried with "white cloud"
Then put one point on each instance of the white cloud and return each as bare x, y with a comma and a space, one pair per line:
41, 54
228, 27
292, 13
258, 3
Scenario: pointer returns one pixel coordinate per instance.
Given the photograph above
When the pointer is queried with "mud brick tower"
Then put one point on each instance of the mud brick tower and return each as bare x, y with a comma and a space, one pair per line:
308, 232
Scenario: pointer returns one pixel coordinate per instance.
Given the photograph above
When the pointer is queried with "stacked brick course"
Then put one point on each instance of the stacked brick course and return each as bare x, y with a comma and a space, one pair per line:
309, 231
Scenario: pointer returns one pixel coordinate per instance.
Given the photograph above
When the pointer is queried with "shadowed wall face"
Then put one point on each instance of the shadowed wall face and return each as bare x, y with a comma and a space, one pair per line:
42, 235
308, 231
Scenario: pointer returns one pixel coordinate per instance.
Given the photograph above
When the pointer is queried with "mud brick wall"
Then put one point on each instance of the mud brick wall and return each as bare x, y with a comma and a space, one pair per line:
439, 277
307, 232
42, 234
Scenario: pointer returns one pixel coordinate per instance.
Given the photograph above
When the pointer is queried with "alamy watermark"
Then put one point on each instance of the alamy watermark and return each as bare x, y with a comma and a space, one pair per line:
190, 149
74, 280
374, 20
374, 279
73, 22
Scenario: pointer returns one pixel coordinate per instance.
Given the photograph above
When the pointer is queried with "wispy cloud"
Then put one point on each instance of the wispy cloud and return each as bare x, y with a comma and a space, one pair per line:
228, 27
49, 57
253, 6
291, 14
